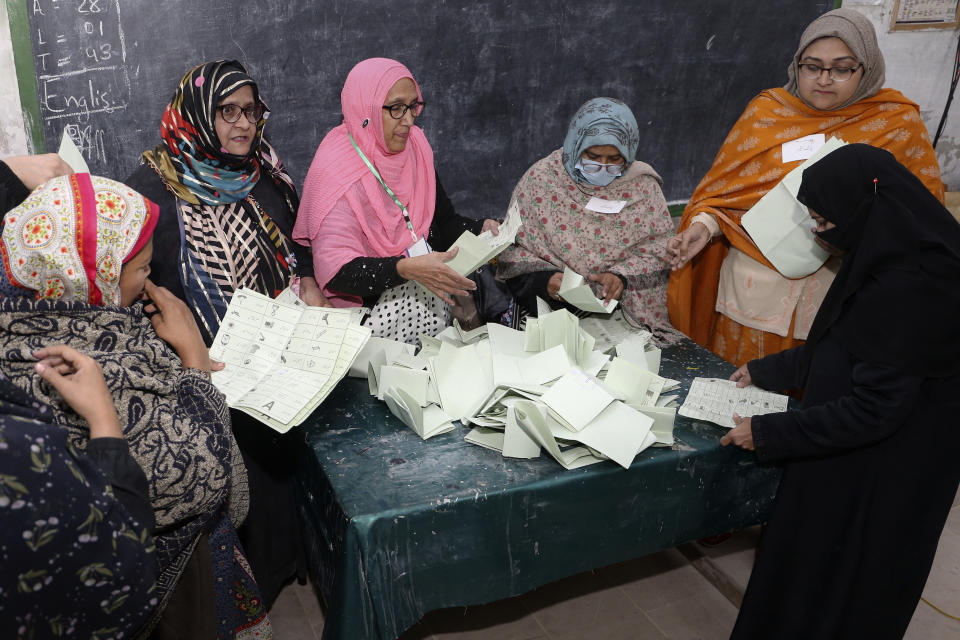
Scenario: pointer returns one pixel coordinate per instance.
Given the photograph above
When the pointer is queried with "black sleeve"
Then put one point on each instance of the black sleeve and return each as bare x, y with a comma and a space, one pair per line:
447, 225
369, 277
880, 401
779, 371
366, 277
112, 456
12, 190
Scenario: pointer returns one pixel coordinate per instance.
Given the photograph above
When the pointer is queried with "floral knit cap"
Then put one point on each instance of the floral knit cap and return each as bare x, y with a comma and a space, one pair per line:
69, 239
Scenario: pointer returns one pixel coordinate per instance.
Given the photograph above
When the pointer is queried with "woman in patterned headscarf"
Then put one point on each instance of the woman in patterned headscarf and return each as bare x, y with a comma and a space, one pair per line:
76, 256
48, 490
725, 294
227, 210
592, 207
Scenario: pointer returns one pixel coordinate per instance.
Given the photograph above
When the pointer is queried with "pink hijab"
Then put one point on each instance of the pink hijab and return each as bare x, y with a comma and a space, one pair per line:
337, 167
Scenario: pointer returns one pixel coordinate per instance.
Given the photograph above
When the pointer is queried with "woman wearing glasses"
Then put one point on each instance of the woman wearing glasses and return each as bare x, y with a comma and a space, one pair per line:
723, 293
227, 210
592, 207
374, 213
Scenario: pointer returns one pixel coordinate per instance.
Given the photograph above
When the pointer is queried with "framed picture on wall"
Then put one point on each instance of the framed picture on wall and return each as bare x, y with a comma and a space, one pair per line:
924, 14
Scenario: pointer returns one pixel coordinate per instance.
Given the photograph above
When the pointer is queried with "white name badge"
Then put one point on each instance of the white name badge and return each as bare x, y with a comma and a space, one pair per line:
802, 148
418, 248
606, 206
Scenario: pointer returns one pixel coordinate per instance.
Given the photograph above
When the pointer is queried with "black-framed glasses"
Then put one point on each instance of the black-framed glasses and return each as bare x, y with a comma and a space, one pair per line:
837, 74
231, 112
397, 111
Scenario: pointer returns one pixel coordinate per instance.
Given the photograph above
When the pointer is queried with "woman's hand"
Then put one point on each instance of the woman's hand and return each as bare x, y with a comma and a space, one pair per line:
491, 225
33, 171
174, 323
741, 435
742, 377
79, 380
611, 286
311, 294
684, 246
430, 271
553, 285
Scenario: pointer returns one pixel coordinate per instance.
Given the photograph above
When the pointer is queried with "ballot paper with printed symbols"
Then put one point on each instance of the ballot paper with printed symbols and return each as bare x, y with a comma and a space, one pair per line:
282, 359
716, 400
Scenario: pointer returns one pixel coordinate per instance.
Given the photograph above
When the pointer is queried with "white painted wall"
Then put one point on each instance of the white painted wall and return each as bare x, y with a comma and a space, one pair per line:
919, 65
13, 136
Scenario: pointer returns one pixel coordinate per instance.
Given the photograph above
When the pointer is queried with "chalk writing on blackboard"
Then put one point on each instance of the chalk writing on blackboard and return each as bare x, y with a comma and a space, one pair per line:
81, 64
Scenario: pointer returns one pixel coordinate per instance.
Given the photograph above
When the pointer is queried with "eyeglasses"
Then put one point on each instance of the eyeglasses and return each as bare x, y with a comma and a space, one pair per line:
397, 111
231, 112
837, 74
589, 166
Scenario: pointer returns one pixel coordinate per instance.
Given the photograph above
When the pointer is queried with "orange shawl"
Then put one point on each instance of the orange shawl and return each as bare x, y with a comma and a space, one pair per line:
748, 166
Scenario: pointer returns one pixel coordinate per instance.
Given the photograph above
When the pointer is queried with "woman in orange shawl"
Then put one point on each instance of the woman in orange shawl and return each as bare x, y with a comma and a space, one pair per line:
723, 293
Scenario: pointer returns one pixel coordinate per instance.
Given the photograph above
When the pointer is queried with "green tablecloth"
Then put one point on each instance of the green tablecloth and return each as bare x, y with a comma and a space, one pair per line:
398, 526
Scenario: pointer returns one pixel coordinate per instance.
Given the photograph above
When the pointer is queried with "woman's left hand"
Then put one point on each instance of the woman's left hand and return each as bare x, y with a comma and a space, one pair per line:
741, 435
611, 286
492, 226
311, 294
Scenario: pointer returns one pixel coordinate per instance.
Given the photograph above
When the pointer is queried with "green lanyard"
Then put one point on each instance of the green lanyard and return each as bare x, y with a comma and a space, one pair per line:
389, 191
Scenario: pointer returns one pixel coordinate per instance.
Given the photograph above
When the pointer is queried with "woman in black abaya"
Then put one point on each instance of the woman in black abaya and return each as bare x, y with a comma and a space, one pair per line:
870, 459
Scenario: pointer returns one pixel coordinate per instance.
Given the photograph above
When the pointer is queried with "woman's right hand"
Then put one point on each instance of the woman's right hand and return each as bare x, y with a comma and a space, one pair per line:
79, 380
742, 377
684, 246
33, 171
174, 323
553, 285
431, 271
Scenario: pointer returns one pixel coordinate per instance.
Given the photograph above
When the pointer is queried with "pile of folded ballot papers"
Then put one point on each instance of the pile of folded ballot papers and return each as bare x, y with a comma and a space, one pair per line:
583, 391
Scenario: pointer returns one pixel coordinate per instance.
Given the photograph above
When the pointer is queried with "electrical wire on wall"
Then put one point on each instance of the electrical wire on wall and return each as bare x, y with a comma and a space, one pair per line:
953, 87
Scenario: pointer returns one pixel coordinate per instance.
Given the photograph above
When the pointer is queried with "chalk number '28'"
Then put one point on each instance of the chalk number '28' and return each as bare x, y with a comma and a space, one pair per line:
90, 6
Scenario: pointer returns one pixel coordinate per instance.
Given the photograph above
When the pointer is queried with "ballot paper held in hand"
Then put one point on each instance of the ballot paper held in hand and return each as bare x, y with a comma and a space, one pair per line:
574, 290
475, 251
781, 226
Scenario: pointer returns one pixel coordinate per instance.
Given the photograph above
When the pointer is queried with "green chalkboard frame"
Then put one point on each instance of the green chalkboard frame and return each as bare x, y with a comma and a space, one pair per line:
26, 74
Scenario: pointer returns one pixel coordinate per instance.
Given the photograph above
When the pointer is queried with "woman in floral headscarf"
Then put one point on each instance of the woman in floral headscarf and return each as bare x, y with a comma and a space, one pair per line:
227, 210
76, 256
592, 207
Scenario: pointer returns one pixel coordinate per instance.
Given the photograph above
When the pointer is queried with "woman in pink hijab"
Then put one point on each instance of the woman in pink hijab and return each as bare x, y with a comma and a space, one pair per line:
373, 209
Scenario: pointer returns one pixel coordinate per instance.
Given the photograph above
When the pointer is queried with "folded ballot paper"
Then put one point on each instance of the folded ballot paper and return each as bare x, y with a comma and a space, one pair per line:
716, 400
781, 226
71, 154
282, 359
475, 251
524, 392
574, 290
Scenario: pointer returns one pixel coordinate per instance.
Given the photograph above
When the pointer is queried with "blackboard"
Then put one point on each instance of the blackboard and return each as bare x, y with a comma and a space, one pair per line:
501, 79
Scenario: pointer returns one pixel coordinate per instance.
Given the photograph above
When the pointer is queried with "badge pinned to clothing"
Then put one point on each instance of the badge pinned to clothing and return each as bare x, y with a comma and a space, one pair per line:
606, 206
418, 248
802, 148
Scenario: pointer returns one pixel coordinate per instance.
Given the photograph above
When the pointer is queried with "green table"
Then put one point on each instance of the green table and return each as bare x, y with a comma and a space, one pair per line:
397, 526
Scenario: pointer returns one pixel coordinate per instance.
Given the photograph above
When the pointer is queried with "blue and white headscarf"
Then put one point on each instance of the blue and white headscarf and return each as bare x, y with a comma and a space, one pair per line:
598, 122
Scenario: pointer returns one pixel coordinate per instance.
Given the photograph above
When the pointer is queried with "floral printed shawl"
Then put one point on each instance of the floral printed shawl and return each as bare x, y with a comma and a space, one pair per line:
559, 231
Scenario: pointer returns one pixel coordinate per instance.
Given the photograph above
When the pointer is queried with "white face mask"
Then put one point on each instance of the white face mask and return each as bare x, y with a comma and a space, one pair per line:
600, 175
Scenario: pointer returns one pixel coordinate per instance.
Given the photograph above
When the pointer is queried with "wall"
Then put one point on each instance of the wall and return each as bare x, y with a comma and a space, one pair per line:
919, 64
13, 137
